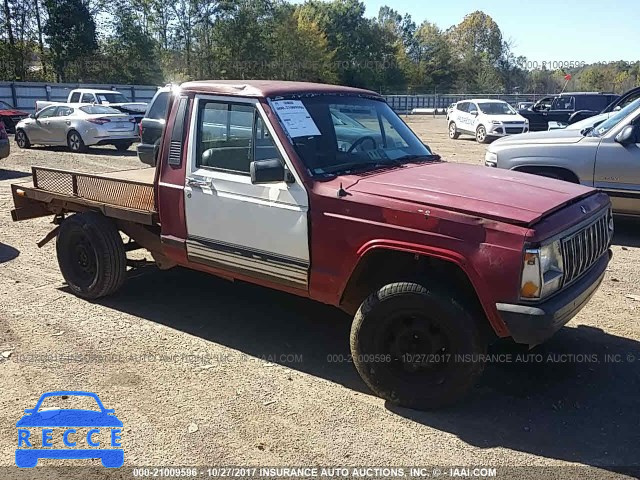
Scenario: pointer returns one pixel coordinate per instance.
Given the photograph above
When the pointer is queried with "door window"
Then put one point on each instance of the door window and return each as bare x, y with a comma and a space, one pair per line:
463, 106
64, 111
563, 103
88, 98
231, 136
47, 112
158, 110
75, 97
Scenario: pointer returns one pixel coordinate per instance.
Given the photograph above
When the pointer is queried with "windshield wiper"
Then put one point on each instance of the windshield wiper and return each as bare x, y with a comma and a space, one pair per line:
425, 158
350, 166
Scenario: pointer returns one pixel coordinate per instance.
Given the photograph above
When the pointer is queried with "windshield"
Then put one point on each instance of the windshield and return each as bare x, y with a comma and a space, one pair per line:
496, 108
612, 121
98, 110
114, 97
338, 134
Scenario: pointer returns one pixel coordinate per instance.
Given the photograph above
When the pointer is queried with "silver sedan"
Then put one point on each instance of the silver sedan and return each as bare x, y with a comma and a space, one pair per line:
77, 127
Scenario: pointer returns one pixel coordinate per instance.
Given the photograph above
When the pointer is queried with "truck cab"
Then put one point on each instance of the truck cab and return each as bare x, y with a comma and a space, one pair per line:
322, 191
558, 109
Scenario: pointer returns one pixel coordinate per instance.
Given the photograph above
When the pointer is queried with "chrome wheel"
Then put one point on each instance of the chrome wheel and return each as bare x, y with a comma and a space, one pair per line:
481, 134
452, 130
74, 142
21, 139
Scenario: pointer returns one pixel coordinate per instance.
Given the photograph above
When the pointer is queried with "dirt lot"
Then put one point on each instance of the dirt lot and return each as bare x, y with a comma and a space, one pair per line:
206, 372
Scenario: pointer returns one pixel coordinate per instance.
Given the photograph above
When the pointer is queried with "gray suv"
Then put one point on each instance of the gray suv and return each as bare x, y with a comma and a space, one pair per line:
606, 157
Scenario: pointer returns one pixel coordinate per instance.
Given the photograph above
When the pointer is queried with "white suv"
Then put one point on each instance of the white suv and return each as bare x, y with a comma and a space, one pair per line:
485, 119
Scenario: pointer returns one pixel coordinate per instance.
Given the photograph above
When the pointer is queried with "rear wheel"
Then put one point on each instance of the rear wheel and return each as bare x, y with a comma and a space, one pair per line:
75, 142
22, 140
91, 255
453, 131
417, 347
123, 146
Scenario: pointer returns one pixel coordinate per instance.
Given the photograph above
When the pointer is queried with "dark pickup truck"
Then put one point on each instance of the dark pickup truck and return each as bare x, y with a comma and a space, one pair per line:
324, 192
560, 108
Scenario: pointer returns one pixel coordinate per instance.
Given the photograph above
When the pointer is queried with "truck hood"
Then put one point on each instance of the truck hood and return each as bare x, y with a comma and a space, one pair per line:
506, 118
547, 137
491, 193
13, 113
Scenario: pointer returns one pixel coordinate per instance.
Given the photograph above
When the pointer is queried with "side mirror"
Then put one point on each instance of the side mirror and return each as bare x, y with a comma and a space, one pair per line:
474, 112
268, 171
617, 108
32, 116
628, 135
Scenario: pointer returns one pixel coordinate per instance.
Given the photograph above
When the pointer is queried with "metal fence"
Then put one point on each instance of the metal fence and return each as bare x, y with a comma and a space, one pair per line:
439, 102
23, 95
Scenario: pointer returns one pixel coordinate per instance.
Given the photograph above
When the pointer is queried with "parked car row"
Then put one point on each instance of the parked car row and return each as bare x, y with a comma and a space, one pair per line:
108, 98
605, 156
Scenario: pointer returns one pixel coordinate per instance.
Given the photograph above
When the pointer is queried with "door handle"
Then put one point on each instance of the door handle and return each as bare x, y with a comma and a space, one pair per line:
194, 182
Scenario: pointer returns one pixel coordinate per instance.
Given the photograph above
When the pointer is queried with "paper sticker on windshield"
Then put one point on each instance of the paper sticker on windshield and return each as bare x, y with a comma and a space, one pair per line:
295, 118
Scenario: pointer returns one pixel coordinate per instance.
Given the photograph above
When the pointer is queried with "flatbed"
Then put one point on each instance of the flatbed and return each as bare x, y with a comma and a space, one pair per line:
125, 195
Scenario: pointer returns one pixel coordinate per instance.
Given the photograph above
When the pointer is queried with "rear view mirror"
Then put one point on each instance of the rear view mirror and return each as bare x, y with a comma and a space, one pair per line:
268, 171
628, 135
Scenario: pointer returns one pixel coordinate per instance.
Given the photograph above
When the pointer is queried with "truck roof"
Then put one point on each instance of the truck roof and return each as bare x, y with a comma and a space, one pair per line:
269, 88
93, 90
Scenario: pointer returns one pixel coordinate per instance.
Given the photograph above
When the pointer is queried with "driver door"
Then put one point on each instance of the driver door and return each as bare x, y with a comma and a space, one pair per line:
40, 131
617, 171
255, 230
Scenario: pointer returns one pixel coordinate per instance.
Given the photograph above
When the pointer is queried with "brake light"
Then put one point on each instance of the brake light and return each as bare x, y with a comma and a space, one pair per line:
99, 121
3, 132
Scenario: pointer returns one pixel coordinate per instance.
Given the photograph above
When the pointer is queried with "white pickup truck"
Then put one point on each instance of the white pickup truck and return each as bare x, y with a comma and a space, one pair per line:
103, 97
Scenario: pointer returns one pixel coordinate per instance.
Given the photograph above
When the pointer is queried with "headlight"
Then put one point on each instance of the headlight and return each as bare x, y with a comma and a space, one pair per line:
491, 159
542, 271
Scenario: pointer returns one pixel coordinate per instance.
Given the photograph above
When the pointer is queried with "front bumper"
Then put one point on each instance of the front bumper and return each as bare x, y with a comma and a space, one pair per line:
502, 130
533, 324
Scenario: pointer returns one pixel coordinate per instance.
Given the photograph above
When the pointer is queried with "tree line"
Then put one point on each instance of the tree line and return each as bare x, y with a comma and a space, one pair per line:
155, 42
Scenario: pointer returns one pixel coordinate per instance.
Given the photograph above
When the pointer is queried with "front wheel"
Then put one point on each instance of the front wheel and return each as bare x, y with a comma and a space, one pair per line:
481, 134
22, 140
417, 347
91, 255
453, 131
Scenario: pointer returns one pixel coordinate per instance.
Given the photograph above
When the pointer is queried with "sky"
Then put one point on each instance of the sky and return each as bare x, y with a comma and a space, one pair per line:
543, 30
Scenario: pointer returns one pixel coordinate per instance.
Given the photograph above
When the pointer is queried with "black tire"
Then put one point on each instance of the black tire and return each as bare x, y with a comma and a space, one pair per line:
454, 134
91, 255
75, 142
22, 140
427, 325
481, 134
123, 146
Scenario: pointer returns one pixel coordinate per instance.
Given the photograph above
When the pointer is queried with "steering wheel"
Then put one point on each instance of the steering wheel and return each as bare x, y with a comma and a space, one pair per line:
360, 141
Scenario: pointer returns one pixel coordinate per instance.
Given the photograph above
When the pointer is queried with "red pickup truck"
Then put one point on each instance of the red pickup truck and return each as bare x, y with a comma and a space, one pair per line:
322, 191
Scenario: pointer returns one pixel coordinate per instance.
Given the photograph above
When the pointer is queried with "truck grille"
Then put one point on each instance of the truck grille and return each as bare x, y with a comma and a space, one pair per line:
581, 249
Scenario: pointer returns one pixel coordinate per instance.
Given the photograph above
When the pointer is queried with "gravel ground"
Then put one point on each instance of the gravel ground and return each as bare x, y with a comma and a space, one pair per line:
205, 372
